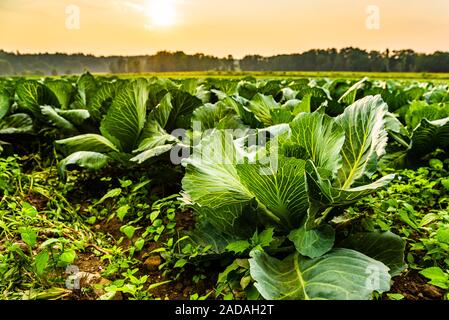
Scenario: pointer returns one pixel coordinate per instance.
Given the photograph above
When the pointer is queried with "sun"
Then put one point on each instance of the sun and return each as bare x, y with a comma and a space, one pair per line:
162, 13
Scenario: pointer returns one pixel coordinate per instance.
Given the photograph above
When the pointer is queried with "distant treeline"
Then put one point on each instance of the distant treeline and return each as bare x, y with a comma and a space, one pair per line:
347, 59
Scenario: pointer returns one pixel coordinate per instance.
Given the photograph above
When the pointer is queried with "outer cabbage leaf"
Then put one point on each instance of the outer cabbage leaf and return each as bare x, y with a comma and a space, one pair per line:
102, 99
87, 142
84, 159
313, 243
52, 116
341, 274
5, 103
75, 116
31, 95
63, 90
211, 178
18, 123
217, 115
350, 96
318, 138
279, 188
183, 104
385, 247
126, 117
262, 106
324, 194
366, 138
428, 136
87, 87
151, 153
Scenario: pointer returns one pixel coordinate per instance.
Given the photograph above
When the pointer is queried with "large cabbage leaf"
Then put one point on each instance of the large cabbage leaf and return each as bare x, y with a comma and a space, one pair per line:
5, 103
87, 142
126, 117
18, 123
317, 137
428, 136
366, 138
385, 247
341, 274
63, 90
84, 159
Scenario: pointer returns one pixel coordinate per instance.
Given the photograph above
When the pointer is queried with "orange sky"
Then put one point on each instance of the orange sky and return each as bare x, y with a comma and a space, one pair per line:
221, 27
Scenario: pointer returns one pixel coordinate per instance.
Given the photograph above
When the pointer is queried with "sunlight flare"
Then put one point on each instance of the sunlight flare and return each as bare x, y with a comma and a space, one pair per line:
162, 13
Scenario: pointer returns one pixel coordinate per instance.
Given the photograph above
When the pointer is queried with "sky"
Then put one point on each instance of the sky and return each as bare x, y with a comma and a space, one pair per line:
221, 27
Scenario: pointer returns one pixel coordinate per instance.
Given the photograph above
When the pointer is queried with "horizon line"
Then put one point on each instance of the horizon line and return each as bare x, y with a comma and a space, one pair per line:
17, 52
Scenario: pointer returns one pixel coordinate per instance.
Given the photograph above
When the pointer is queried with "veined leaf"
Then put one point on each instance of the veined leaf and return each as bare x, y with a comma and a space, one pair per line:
102, 99
428, 136
279, 188
235, 221
126, 117
262, 106
420, 110
324, 194
151, 153
161, 113
87, 142
30, 95
320, 138
211, 175
385, 247
217, 115
55, 119
63, 91
87, 86
207, 235
350, 95
18, 123
341, 274
83, 159
366, 138
74, 116
183, 105
223, 186
153, 136
281, 115
313, 243
243, 112
5, 102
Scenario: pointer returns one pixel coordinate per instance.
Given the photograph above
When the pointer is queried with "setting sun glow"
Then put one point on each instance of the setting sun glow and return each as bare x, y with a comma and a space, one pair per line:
221, 27
162, 13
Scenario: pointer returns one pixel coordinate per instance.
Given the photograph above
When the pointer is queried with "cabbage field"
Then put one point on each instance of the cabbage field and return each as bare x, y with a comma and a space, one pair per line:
229, 189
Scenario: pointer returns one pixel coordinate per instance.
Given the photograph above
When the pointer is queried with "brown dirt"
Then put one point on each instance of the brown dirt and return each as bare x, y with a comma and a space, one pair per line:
37, 200
91, 267
185, 220
88, 262
111, 227
182, 288
414, 287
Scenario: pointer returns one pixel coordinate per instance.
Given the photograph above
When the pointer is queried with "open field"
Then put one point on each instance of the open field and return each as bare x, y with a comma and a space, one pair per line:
222, 186
303, 74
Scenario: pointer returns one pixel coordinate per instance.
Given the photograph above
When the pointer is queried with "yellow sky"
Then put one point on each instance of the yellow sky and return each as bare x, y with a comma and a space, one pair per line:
220, 27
